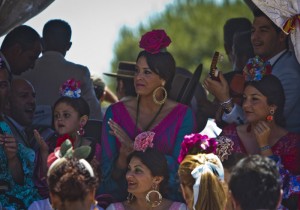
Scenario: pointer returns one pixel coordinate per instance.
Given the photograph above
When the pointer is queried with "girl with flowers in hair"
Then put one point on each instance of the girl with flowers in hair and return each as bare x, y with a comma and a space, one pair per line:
147, 177
150, 111
264, 132
70, 115
201, 174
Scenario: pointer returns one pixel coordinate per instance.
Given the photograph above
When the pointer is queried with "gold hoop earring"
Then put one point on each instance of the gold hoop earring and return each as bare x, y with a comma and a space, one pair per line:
154, 95
154, 204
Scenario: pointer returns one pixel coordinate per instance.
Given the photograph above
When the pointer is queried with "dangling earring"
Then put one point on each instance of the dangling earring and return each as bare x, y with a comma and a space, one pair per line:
130, 198
154, 95
270, 116
80, 132
154, 204
95, 205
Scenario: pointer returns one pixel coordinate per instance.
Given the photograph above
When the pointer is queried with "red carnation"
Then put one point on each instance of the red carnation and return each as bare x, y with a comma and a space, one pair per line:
154, 41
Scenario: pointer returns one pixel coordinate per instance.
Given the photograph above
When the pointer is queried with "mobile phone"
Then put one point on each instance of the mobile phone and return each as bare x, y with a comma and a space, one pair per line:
214, 72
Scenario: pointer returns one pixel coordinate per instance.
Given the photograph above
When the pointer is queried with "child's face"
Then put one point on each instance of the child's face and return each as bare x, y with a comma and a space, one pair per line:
66, 119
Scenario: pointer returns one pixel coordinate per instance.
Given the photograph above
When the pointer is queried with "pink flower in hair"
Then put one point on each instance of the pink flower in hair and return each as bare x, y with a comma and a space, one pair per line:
143, 141
196, 143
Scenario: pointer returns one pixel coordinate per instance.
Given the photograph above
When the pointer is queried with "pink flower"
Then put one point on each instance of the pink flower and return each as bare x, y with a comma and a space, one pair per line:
154, 41
143, 141
196, 143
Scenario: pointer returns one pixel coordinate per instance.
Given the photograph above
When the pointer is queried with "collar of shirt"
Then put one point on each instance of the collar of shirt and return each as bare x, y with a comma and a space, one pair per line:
277, 56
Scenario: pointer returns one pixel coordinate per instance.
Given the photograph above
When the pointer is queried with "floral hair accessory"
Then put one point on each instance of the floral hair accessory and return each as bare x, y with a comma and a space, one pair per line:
224, 148
256, 68
155, 41
196, 143
70, 88
143, 141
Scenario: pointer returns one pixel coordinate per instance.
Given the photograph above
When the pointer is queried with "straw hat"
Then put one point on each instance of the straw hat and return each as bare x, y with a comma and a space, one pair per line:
126, 69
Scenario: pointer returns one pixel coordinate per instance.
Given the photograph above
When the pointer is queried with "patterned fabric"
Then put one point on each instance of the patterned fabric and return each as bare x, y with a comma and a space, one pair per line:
21, 194
287, 148
169, 134
287, 151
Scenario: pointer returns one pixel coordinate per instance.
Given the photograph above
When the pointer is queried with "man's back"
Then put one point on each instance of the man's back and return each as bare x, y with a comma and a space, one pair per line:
51, 71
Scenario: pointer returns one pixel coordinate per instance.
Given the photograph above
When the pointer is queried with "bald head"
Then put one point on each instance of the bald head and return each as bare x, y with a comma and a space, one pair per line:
22, 102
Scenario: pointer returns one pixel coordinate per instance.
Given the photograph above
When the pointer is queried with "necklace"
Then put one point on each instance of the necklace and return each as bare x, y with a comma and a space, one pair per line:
153, 119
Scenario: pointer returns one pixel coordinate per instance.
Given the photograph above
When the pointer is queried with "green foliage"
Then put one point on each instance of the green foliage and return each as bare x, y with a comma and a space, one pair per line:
195, 28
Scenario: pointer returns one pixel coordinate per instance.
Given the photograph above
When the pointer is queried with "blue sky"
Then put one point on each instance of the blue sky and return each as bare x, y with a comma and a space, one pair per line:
95, 26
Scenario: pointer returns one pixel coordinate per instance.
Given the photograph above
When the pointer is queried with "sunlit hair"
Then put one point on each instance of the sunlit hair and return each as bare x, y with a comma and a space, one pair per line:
162, 63
71, 181
212, 192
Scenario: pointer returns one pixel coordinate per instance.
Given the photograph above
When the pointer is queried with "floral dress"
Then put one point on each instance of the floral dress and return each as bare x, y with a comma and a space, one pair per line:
17, 196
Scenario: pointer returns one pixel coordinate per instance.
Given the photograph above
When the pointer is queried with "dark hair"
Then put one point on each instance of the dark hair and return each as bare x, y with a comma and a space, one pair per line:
23, 35
57, 34
162, 63
79, 104
270, 86
258, 13
156, 163
71, 181
255, 183
129, 88
234, 25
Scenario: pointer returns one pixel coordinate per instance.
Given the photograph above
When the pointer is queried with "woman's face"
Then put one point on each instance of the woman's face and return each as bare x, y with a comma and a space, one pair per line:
255, 105
139, 178
145, 80
66, 119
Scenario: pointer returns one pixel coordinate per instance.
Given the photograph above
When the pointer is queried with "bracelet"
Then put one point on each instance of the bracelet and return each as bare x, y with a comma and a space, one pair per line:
229, 101
264, 148
227, 106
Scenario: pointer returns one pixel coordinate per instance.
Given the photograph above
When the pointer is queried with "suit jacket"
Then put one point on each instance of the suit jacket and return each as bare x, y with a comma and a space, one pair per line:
287, 69
51, 71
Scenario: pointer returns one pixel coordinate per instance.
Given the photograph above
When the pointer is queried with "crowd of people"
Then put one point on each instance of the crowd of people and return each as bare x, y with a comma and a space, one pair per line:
151, 153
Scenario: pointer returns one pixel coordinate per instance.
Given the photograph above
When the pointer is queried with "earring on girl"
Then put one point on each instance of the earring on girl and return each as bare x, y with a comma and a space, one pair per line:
81, 132
165, 95
270, 116
154, 203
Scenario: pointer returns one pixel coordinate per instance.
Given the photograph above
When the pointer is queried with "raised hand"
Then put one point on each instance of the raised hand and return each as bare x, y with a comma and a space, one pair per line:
262, 133
219, 89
